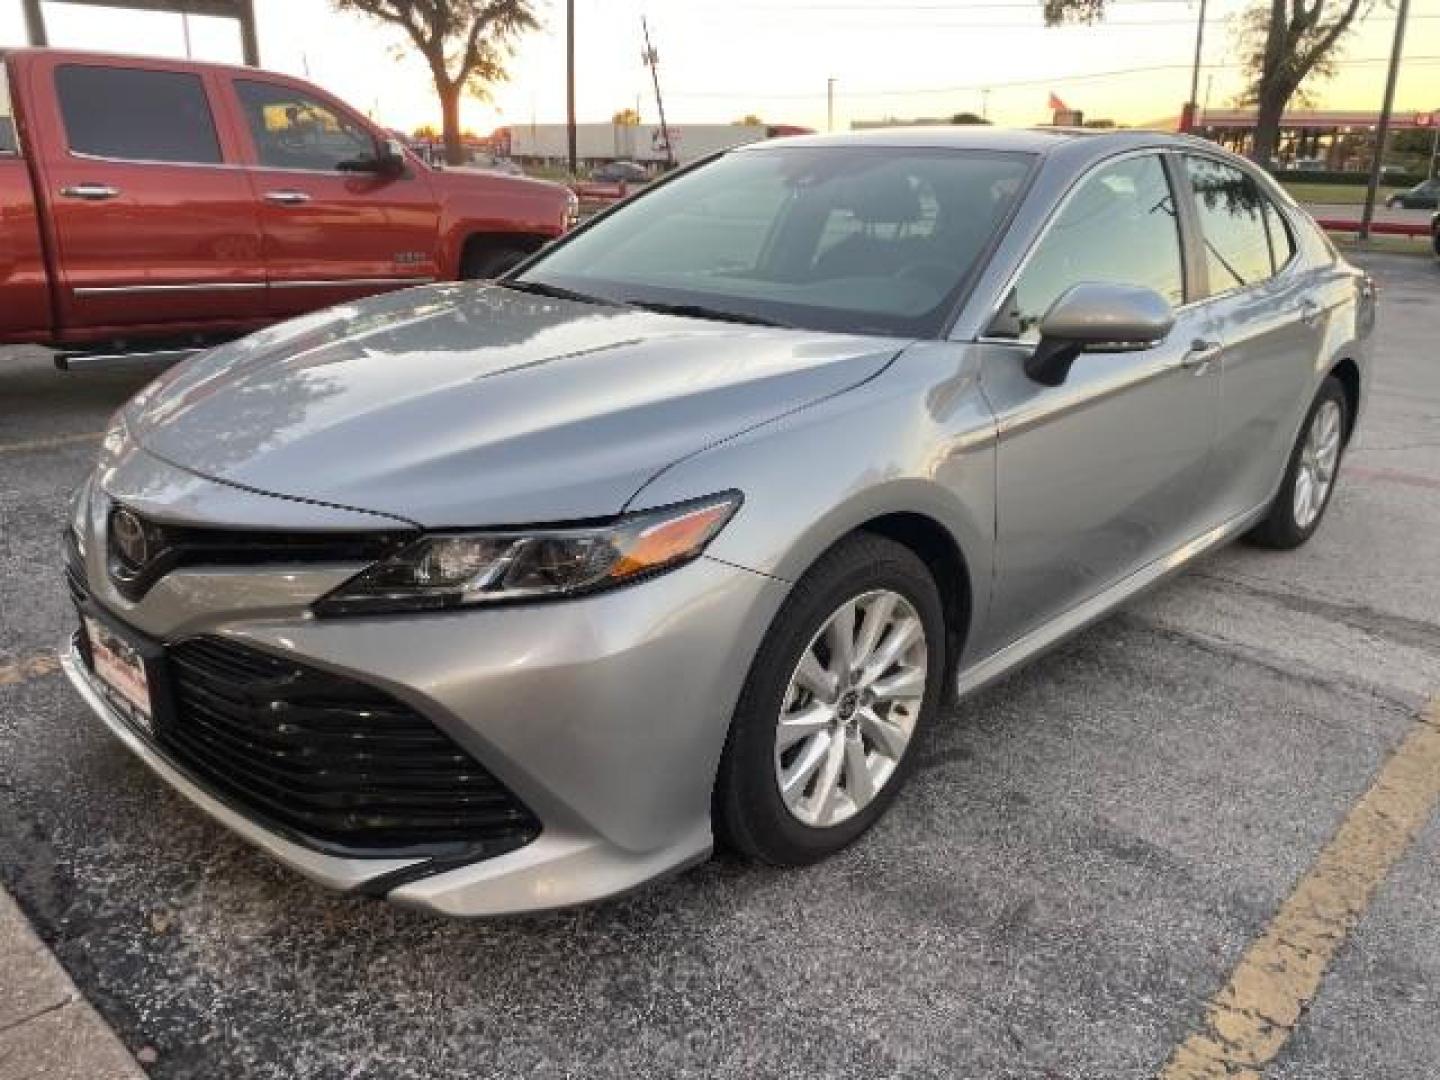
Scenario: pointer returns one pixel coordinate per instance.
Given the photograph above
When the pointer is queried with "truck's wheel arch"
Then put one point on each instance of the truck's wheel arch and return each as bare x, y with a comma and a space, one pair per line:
489, 249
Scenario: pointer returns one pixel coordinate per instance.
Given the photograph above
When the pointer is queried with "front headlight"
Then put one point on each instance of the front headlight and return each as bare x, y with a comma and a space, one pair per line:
465, 569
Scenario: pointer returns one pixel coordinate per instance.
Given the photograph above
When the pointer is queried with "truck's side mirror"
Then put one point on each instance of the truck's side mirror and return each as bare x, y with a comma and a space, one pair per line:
388, 162
1095, 317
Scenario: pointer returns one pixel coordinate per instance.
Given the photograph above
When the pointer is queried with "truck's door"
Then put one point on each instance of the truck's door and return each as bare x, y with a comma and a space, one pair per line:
331, 234
150, 224
25, 310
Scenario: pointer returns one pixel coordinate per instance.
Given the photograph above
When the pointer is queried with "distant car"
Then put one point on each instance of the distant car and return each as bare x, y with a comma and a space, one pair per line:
1423, 196
616, 172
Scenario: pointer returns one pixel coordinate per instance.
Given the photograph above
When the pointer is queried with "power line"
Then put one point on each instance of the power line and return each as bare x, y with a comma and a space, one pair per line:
991, 84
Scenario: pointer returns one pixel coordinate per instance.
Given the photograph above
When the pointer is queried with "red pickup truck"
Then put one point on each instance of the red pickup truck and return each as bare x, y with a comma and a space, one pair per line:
151, 206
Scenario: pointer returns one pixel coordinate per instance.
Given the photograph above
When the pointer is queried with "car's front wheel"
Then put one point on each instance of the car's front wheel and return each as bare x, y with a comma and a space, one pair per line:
1310, 477
847, 679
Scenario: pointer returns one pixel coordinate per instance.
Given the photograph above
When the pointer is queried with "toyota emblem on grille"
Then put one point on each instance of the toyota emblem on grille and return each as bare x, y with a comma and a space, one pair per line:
128, 539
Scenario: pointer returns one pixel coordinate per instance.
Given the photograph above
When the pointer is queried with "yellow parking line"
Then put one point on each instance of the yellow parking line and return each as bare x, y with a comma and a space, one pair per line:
1251, 1019
54, 440
28, 667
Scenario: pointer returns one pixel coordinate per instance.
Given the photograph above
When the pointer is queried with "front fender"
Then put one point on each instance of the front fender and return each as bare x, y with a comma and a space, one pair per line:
917, 439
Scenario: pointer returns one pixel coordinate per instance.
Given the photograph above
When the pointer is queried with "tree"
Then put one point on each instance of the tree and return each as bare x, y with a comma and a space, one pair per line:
968, 118
465, 42
1282, 42
748, 120
626, 118
426, 132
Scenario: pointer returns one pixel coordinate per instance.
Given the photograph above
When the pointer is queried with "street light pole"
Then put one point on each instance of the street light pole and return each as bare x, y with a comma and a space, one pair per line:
1382, 129
830, 104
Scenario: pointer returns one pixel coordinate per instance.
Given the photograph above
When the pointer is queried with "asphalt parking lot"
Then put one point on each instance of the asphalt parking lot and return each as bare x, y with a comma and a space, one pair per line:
1083, 860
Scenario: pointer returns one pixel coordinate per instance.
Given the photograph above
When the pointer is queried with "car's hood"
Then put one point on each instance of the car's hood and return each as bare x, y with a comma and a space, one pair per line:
471, 405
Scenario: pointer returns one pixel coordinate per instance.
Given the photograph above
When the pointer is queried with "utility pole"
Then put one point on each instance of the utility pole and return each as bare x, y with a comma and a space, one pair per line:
1193, 103
985, 103
1382, 129
35, 25
830, 104
652, 58
570, 86
185, 27
249, 39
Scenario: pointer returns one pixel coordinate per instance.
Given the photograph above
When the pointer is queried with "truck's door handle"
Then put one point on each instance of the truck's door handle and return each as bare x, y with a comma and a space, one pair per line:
90, 192
1309, 312
1201, 355
287, 198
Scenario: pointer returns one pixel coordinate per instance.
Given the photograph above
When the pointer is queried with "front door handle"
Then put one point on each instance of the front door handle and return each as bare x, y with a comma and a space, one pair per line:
1201, 355
1309, 312
90, 192
287, 198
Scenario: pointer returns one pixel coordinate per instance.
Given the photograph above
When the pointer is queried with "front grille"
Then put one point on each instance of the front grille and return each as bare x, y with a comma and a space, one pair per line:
171, 547
75, 569
336, 761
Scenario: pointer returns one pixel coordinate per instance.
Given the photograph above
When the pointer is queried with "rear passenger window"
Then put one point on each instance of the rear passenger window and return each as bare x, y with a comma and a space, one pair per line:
1232, 224
8, 142
1118, 228
137, 115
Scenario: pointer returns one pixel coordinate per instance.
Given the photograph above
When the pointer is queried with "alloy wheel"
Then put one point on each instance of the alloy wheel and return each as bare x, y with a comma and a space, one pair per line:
850, 708
1318, 461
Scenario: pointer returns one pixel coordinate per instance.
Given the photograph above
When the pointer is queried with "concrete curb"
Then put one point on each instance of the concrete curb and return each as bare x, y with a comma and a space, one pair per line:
48, 1031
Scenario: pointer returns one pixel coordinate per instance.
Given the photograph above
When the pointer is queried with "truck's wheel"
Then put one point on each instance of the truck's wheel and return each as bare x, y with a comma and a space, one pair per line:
482, 263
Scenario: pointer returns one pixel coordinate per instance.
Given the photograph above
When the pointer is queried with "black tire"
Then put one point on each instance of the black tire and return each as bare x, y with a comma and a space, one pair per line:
1280, 530
748, 813
483, 262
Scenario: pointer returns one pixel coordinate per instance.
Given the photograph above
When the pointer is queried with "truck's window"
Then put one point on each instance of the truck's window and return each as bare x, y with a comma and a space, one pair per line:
137, 115
8, 142
295, 131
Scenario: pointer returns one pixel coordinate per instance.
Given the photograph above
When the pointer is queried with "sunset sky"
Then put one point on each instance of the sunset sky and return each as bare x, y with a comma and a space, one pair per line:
722, 59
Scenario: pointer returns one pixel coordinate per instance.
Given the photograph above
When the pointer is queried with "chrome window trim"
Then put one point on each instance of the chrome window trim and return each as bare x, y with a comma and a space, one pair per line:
82, 156
993, 312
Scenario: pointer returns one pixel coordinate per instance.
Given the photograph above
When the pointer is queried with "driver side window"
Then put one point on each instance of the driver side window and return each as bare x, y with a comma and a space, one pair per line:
1119, 227
295, 131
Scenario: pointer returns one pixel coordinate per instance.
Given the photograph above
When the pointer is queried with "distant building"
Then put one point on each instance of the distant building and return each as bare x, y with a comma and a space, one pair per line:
1321, 138
548, 144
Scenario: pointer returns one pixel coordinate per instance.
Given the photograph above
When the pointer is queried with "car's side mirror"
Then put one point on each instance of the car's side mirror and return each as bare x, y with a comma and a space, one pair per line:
1095, 317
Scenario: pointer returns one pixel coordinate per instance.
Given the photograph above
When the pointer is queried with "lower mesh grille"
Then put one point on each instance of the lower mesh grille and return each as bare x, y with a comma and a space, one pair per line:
330, 758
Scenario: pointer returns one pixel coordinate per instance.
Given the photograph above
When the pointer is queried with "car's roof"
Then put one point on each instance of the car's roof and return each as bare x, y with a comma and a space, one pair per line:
1039, 140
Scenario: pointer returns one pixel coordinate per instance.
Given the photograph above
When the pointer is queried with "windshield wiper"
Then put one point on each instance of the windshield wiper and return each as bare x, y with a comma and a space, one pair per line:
540, 288
700, 311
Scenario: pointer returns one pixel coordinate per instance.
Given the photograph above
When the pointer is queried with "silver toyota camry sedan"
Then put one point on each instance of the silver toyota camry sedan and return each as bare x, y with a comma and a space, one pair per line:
499, 597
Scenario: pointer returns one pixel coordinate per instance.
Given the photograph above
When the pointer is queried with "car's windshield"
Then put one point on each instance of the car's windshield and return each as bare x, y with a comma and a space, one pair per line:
851, 239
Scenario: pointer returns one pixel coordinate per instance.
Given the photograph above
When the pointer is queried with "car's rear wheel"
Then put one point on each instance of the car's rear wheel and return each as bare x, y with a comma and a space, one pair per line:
1310, 478
847, 679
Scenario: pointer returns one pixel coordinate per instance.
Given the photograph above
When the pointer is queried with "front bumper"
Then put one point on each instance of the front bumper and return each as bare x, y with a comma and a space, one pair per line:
606, 716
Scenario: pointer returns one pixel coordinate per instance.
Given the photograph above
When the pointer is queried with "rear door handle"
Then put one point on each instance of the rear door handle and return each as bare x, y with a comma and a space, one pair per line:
1201, 355
90, 192
287, 198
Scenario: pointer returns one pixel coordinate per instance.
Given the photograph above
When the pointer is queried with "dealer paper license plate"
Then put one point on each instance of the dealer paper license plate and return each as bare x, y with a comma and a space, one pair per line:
121, 669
